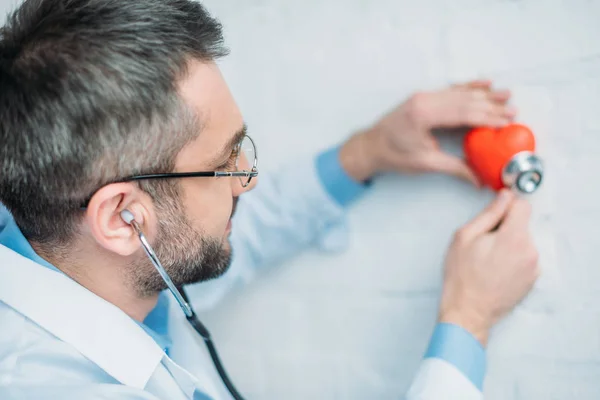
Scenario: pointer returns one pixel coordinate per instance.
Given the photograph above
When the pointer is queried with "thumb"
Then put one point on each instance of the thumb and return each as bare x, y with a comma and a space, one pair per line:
491, 217
454, 166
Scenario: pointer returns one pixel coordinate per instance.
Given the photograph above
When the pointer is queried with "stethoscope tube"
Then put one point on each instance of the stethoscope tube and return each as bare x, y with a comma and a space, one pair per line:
183, 301
202, 331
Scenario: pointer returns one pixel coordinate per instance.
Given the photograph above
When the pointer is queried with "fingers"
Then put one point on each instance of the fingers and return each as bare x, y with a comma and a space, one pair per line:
482, 111
483, 106
499, 96
480, 84
473, 103
489, 218
485, 117
517, 218
475, 84
501, 110
451, 165
499, 115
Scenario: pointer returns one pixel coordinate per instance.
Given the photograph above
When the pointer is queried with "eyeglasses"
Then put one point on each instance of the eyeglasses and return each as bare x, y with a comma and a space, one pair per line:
245, 149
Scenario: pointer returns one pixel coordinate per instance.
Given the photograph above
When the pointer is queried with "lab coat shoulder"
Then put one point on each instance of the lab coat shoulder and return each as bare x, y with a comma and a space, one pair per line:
31, 356
74, 345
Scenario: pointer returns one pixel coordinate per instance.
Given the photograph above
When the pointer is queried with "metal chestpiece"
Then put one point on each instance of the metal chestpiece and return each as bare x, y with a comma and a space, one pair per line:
524, 172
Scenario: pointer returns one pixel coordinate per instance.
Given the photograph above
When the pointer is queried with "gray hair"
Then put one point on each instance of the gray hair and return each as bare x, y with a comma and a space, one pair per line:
88, 95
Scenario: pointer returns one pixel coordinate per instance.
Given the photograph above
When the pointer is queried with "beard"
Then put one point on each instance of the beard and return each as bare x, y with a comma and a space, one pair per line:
187, 255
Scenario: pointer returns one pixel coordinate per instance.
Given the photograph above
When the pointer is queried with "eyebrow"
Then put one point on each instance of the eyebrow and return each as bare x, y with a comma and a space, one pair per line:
228, 148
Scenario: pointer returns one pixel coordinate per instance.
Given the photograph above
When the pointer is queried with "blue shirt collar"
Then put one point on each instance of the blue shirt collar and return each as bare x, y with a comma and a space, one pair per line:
155, 324
11, 237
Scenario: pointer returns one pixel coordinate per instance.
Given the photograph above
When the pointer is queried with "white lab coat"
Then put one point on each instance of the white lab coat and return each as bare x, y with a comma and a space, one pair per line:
60, 341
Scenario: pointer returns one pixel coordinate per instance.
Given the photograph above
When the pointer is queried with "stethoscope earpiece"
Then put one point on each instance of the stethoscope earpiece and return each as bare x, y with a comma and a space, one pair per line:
127, 216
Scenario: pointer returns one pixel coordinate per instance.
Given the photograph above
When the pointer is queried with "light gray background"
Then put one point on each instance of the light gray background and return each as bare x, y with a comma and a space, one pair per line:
355, 325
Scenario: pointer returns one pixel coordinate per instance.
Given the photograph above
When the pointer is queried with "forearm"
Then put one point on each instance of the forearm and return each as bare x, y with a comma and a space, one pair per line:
455, 362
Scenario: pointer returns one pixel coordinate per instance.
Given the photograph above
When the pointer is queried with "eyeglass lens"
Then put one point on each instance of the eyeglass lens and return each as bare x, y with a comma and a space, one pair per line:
246, 159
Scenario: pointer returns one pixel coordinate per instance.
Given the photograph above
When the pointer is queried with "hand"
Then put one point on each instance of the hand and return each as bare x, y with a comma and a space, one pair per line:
488, 270
403, 141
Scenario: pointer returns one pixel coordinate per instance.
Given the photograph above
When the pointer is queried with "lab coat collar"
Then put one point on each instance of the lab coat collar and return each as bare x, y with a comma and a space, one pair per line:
99, 330
155, 323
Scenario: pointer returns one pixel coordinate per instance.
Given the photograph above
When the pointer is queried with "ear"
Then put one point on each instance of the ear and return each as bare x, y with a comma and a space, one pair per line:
103, 217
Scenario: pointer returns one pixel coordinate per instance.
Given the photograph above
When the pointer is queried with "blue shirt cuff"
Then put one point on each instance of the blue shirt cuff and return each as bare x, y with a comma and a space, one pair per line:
336, 181
458, 347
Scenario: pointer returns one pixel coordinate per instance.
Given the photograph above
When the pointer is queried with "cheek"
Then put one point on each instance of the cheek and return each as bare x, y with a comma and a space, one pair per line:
208, 206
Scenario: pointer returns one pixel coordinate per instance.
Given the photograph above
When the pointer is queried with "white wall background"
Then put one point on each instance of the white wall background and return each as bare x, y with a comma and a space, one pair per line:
355, 325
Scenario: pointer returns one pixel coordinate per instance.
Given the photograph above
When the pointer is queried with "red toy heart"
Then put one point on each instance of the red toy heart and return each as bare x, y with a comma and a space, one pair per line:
488, 150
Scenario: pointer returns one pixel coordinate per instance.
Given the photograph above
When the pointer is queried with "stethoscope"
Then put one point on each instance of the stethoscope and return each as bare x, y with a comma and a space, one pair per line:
183, 301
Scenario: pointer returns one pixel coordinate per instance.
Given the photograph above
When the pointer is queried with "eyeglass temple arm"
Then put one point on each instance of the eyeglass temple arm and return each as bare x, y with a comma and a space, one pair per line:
241, 174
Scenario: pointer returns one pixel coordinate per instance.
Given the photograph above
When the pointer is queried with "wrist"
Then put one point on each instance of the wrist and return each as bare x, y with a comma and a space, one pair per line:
359, 156
476, 325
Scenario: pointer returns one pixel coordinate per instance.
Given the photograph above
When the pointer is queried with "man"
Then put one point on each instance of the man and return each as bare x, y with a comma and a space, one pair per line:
102, 104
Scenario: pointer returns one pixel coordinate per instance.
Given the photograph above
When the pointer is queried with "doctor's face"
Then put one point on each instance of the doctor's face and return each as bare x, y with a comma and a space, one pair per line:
193, 224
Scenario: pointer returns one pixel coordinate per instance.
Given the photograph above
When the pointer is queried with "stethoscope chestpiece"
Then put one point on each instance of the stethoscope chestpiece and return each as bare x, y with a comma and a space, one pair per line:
524, 172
